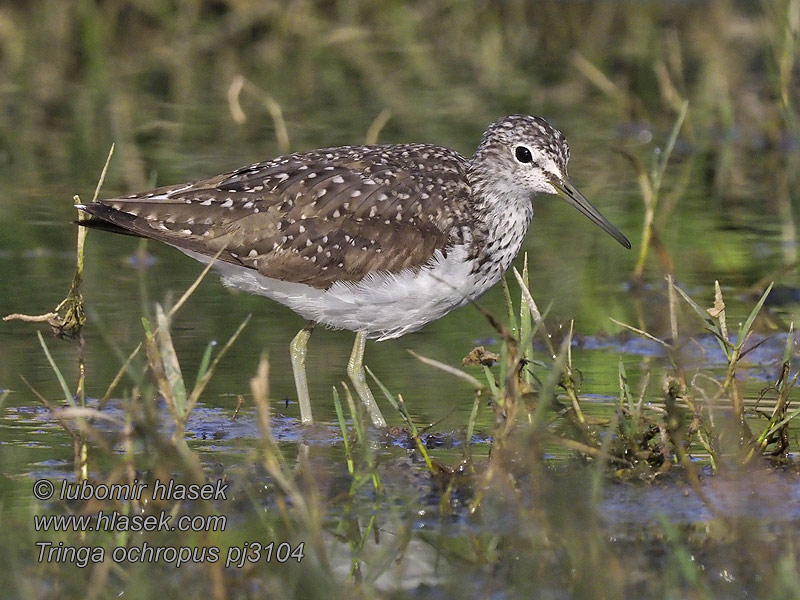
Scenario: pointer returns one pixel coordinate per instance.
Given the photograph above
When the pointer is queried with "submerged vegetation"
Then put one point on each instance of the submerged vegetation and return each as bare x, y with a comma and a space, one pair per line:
681, 482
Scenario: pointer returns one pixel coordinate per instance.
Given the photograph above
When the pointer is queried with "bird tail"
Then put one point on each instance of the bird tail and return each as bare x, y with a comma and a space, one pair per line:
105, 218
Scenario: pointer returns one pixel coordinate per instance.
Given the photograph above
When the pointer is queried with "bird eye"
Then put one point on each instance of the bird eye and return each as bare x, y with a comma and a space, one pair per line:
523, 154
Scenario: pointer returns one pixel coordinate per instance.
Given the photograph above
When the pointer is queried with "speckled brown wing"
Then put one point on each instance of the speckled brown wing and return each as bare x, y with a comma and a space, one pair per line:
317, 217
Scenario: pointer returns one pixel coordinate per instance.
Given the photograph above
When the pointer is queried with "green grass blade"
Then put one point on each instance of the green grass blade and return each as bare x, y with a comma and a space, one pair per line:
713, 327
512, 318
781, 423
787, 350
400, 406
473, 417
658, 176
125, 360
337, 404
209, 373
355, 416
201, 371
146, 326
190, 290
125, 368
63, 382
491, 383
624, 389
103, 173
169, 361
744, 330
533, 309
525, 317
448, 369
639, 332
700, 312
385, 391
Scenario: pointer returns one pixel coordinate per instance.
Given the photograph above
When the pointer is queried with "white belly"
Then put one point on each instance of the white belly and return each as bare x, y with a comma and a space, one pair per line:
385, 305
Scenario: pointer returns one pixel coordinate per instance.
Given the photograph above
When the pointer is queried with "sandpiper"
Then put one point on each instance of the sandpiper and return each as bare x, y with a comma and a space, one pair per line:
379, 240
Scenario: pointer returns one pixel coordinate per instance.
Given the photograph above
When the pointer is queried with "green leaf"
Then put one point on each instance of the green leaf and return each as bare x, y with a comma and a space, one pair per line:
206, 377
448, 369
744, 330
337, 404
712, 327
205, 362
512, 319
787, 350
658, 176
63, 382
169, 360
525, 321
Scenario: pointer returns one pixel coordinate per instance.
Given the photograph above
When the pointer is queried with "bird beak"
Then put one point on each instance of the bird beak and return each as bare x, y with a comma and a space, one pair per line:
574, 198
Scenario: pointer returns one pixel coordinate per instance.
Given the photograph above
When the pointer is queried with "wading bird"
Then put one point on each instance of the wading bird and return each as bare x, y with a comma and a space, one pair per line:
379, 240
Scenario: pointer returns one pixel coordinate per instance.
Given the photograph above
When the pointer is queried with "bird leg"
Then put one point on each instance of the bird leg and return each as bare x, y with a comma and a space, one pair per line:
297, 351
355, 370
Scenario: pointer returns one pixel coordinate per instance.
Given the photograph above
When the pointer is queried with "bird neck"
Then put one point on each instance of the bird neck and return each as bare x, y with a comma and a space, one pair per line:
505, 214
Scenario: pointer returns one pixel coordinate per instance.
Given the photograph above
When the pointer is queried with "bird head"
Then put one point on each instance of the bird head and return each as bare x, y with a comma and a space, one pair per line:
520, 152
